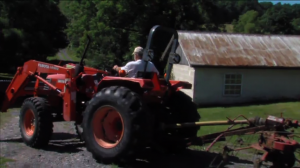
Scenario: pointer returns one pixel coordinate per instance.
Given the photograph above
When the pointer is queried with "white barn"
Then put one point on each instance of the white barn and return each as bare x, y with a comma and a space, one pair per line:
227, 69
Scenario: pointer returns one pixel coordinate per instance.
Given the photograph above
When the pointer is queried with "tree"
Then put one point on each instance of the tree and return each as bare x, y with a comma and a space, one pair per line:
277, 20
266, 5
296, 25
232, 10
116, 27
247, 23
30, 30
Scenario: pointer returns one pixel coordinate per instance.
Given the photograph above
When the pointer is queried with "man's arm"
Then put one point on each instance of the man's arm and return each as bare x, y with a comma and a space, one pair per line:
116, 68
126, 67
154, 68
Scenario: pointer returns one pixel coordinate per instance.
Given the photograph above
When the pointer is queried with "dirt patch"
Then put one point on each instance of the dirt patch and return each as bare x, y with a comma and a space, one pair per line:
64, 148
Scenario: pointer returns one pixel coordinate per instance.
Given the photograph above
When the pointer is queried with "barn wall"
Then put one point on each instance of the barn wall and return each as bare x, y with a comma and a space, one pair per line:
257, 84
183, 60
184, 73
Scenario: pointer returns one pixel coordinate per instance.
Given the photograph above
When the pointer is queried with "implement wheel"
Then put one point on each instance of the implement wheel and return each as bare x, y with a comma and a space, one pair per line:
35, 122
114, 125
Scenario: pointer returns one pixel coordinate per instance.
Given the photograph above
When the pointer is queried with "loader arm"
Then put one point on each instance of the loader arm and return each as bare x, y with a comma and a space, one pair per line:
32, 68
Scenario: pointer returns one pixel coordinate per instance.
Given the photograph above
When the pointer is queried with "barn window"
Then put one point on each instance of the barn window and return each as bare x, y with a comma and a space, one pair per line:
233, 85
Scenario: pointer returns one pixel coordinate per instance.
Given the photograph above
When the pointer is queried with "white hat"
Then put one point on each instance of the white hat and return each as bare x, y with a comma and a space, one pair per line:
138, 50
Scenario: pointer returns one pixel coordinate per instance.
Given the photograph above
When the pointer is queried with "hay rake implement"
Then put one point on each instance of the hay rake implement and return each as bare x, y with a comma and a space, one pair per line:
274, 139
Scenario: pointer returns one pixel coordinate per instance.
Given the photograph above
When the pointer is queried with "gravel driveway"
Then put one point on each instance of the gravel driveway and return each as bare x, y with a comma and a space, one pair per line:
65, 150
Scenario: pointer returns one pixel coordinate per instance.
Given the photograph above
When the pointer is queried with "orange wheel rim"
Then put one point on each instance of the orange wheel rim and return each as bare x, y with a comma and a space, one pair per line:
29, 123
108, 127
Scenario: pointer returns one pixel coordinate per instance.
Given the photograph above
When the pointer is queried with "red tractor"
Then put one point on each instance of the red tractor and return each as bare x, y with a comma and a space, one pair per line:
119, 116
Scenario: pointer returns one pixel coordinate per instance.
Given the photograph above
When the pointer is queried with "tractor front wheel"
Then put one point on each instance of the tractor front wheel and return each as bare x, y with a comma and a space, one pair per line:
114, 125
35, 122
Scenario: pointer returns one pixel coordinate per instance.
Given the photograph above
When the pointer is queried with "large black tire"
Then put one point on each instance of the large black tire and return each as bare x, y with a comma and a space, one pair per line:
133, 125
283, 160
181, 109
36, 109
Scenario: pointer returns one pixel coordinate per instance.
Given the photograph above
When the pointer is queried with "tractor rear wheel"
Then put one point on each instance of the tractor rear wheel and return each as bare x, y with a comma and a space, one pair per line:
181, 109
114, 125
35, 122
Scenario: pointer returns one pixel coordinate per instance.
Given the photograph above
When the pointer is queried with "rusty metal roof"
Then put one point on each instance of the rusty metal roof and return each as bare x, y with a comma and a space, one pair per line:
222, 49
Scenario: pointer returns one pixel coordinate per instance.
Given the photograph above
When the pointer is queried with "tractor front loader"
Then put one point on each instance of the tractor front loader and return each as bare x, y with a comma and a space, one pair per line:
119, 116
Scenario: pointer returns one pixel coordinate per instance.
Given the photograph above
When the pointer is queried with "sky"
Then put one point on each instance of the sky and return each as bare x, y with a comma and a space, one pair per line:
282, 2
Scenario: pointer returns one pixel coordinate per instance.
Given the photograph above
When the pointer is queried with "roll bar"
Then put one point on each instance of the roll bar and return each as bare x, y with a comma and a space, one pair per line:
173, 57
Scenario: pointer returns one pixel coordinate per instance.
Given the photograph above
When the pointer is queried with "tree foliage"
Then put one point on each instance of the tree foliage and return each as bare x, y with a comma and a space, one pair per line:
275, 19
38, 28
30, 30
116, 27
247, 22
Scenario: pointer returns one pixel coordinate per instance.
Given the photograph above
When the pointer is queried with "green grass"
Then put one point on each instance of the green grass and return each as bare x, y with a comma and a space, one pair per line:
51, 58
229, 28
6, 116
70, 53
4, 161
114, 166
55, 57
6, 75
288, 110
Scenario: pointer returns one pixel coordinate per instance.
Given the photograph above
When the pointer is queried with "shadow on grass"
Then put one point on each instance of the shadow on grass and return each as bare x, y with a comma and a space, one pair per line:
189, 158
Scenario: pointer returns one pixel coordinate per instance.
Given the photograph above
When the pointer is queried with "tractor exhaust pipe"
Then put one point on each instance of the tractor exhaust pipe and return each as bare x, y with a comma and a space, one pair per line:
85, 50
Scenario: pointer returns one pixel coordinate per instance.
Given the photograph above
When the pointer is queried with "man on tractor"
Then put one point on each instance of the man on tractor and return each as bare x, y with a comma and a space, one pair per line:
132, 67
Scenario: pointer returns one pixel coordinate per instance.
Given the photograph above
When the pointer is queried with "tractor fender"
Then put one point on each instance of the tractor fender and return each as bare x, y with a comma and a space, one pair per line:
133, 85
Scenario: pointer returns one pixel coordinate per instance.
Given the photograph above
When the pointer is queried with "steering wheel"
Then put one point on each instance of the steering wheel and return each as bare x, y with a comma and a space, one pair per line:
120, 73
114, 72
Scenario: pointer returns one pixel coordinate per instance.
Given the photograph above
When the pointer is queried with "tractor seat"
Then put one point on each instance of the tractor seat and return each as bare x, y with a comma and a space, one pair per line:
98, 77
